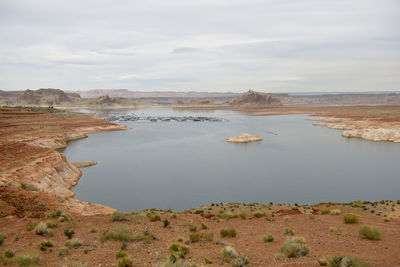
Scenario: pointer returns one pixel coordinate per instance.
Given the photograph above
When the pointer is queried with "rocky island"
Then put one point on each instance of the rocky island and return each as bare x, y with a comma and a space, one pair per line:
244, 138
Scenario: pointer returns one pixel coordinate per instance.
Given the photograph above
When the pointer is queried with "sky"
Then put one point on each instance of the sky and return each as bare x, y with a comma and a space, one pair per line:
201, 45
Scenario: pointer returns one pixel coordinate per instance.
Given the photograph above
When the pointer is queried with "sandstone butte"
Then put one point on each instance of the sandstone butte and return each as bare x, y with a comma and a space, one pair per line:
244, 138
29, 144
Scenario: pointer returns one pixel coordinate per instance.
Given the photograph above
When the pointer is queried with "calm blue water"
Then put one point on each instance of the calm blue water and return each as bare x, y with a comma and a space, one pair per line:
182, 165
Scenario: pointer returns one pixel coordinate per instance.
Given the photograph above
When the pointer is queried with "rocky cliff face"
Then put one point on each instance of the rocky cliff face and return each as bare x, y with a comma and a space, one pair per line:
252, 98
47, 97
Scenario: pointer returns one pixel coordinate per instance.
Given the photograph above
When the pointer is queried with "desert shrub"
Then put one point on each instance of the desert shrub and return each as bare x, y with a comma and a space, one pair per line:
201, 237
153, 217
229, 253
259, 214
77, 264
228, 233
173, 215
340, 261
323, 212
63, 251
146, 237
207, 261
2, 238
44, 244
69, 233
42, 229
268, 238
228, 215
121, 254
243, 214
51, 224
369, 232
73, 243
192, 228
350, 218
180, 239
295, 248
336, 212
322, 262
119, 233
240, 262
93, 230
27, 260
60, 214
178, 248
288, 231
9, 253
204, 226
125, 262
117, 216
28, 187
166, 223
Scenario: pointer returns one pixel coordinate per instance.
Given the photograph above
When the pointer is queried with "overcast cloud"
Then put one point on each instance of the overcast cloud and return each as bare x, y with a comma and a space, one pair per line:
201, 45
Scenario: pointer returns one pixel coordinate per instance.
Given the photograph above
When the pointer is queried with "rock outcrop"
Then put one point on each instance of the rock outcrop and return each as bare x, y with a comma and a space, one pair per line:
107, 101
244, 138
252, 98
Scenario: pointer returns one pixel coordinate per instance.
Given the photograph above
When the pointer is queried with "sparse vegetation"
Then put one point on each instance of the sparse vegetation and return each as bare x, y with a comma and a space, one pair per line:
259, 214
295, 248
77, 264
153, 217
119, 233
351, 218
63, 251
369, 232
27, 260
243, 214
121, 254
322, 262
2, 238
192, 228
204, 226
228, 233
340, 261
51, 224
166, 223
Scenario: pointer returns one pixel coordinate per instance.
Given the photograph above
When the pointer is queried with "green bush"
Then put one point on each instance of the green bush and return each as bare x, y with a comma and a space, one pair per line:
69, 233
51, 224
204, 226
166, 223
9, 253
228, 233
350, 218
192, 228
268, 238
228, 215
179, 248
324, 212
125, 262
322, 262
44, 244
153, 217
201, 237
369, 232
295, 248
63, 251
340, 261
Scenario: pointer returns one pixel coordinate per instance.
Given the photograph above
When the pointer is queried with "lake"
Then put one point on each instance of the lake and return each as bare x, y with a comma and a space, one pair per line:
182, 165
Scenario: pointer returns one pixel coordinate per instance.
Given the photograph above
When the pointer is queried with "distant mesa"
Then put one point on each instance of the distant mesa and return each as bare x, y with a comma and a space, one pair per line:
252, 98
106, 100
46, 97
244, 138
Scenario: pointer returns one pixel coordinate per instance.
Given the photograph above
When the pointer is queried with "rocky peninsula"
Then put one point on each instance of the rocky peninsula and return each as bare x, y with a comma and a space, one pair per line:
244, 138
